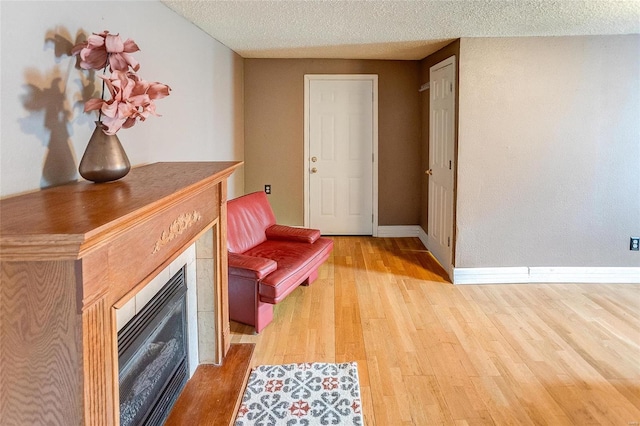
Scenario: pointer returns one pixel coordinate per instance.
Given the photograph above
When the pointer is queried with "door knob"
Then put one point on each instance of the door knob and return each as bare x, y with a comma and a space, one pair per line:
314, 170
428, 172
314, 159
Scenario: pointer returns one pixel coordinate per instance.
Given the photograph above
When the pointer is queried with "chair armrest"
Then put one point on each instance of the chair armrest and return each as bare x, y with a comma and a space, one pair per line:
250, 266
290, 233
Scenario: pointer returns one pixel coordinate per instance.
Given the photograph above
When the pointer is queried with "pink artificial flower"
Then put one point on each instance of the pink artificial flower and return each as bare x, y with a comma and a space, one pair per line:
99, 48
131, 99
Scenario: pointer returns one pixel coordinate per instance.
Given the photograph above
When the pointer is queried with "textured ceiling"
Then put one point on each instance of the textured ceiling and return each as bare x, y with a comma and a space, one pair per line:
383, 29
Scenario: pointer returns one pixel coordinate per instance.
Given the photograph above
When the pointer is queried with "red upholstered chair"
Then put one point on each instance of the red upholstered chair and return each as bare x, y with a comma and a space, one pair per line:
267, 261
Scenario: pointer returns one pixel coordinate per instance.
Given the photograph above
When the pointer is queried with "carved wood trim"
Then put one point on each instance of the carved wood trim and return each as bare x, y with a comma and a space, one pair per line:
177, 227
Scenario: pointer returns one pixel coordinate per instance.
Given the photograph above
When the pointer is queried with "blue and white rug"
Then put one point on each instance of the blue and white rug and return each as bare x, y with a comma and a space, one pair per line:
302, 394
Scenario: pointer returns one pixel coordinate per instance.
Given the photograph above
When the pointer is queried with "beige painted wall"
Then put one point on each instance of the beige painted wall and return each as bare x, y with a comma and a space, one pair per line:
274, 134
548, 152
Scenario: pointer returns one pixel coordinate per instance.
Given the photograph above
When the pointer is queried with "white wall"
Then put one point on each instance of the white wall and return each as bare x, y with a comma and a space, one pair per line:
549, 152
43, 127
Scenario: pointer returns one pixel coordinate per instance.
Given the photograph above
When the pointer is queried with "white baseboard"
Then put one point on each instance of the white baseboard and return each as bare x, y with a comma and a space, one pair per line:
628, 275
403, 231
398, 231
526, 275
490, 275
423, 236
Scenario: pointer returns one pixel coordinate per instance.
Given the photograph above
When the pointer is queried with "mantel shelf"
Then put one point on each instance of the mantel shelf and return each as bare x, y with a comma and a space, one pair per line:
63, 222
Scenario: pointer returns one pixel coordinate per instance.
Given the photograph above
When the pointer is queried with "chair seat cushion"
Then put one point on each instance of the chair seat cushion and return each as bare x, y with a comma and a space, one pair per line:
295, 262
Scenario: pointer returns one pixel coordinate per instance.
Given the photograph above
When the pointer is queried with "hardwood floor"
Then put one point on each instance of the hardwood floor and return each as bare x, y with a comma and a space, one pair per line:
430, 353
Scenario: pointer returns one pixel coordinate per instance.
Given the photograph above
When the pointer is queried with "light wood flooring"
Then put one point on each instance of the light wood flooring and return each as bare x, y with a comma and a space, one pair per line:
429, 352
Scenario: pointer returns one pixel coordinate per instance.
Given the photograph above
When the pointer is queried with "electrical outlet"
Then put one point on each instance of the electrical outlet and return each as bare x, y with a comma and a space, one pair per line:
634, 244
267, 189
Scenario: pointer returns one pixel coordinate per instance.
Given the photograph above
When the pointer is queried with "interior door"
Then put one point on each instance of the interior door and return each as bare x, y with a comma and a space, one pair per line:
441, 161
340, 163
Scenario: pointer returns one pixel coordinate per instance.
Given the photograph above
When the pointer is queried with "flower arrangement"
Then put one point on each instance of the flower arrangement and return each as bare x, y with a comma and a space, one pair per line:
132, 98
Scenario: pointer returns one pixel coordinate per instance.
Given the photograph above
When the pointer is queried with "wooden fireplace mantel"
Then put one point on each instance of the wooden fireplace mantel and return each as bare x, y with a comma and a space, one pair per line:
68, 255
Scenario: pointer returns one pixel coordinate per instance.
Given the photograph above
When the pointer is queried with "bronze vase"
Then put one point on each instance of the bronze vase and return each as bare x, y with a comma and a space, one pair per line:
104, 159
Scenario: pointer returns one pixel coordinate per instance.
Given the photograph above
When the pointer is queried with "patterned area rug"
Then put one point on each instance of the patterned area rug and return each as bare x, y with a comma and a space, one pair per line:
302, 394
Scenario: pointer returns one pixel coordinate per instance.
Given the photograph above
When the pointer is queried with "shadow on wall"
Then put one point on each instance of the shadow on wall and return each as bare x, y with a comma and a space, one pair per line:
50, 113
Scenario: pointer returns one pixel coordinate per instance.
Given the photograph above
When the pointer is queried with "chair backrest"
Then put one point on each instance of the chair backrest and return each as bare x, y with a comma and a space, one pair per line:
247, 219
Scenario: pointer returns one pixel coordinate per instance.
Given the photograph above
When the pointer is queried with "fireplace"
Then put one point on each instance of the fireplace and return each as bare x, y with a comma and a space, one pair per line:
153, 356
72, 256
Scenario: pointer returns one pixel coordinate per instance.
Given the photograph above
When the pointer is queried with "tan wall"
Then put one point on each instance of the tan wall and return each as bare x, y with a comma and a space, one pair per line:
548, 151
274, 134
452, 49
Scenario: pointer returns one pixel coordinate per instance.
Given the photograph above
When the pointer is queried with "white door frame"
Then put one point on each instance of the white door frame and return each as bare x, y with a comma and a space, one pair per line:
306, 163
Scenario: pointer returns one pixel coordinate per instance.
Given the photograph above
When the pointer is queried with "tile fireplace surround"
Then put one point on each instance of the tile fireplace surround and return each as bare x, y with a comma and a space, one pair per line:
74, 254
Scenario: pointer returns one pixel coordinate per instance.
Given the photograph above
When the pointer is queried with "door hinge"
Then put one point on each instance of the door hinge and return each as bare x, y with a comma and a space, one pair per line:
451, 87
449, 164
448, 241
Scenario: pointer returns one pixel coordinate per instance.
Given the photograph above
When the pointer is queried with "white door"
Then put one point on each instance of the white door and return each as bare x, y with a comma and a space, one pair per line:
340, 155
441, 161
